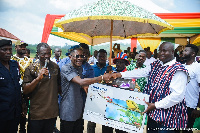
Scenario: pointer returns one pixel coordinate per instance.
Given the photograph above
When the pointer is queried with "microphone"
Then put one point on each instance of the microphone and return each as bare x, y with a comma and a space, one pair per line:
45, 66
46, 63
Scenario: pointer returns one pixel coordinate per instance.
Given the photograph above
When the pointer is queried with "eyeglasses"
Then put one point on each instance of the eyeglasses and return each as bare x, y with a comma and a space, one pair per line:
79, 56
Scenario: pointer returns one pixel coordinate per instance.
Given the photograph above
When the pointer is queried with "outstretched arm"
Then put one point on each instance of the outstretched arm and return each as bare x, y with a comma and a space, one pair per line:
89, 81
136, 73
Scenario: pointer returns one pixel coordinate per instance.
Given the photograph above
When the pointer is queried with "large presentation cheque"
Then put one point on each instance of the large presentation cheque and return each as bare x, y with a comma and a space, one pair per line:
115, 107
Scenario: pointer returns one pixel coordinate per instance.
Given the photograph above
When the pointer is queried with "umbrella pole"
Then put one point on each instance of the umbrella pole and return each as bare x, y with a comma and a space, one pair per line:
111, 32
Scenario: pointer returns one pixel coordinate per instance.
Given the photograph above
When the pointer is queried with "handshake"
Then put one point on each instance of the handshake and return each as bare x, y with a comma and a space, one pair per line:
110, 77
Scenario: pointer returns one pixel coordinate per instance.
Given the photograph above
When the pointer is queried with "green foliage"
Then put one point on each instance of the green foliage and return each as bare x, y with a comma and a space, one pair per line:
133, 120
122, 110
123, 46
141, 107
128, 113
110, 117
121, 120
65, 48
33, 49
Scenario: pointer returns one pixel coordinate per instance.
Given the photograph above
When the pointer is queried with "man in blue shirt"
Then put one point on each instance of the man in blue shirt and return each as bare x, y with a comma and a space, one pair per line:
99, 69
10, 90
101, 66
88, 71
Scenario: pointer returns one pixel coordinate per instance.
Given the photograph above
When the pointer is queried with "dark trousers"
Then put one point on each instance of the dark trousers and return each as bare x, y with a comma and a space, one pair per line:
71, 126
41, 126
91, 127
9, 126
154, 127
120, 131
190, 121
106, 129
190, 118
22, 128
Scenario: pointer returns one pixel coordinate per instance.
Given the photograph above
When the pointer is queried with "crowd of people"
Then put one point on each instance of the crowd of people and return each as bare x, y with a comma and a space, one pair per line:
46, 88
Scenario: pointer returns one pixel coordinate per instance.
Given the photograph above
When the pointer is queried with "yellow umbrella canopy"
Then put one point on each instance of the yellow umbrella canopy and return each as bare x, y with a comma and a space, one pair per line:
112, 19
197, 41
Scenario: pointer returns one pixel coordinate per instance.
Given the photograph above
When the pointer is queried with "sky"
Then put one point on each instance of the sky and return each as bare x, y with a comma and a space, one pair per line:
25, 18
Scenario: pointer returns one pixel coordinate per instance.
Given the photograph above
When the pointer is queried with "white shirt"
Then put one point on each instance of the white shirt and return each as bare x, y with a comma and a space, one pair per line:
193, 89
55, 60
177, 85
149, 61
92, 60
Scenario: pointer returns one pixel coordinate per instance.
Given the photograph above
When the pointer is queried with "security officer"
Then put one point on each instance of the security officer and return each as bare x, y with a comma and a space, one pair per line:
10, 93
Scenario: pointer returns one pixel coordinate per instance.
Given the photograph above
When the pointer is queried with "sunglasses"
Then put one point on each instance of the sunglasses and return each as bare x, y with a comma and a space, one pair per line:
79, 56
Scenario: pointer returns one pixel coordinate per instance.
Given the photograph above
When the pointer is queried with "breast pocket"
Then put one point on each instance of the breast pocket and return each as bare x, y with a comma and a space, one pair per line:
54, 73
3, 81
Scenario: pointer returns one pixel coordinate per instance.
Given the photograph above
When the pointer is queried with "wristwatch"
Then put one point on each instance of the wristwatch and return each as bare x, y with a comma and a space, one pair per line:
198, 108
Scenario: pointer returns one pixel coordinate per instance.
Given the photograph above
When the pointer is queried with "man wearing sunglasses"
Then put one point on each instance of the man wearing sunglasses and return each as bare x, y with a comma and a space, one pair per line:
88, 71
72, 84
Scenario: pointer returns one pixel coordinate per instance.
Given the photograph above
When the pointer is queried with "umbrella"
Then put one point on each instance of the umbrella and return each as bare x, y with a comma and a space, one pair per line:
112, 19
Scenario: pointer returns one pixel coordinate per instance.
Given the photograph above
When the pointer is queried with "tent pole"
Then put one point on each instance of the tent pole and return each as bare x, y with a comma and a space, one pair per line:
111, 33
91, 50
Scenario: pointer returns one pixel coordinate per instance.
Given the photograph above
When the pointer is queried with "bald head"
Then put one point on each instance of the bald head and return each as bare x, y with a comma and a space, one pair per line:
57, 49
57, 53
166, 52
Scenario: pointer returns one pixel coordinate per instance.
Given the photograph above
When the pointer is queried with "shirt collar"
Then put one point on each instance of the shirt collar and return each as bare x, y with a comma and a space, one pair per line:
170, 63
195, 62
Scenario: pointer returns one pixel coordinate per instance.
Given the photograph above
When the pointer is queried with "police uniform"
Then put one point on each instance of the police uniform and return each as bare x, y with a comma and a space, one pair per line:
10, 95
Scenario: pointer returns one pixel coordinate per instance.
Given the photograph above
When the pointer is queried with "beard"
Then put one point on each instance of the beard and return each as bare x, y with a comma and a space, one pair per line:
21, 52
185, 58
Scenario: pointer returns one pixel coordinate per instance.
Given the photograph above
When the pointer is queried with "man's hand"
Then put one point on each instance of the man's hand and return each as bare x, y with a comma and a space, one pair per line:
42, 72
109, 77
195, 113
115, 75
151, 106
106, 77
85, 88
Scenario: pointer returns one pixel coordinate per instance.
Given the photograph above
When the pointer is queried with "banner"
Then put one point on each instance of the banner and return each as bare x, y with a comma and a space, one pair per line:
114, 107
